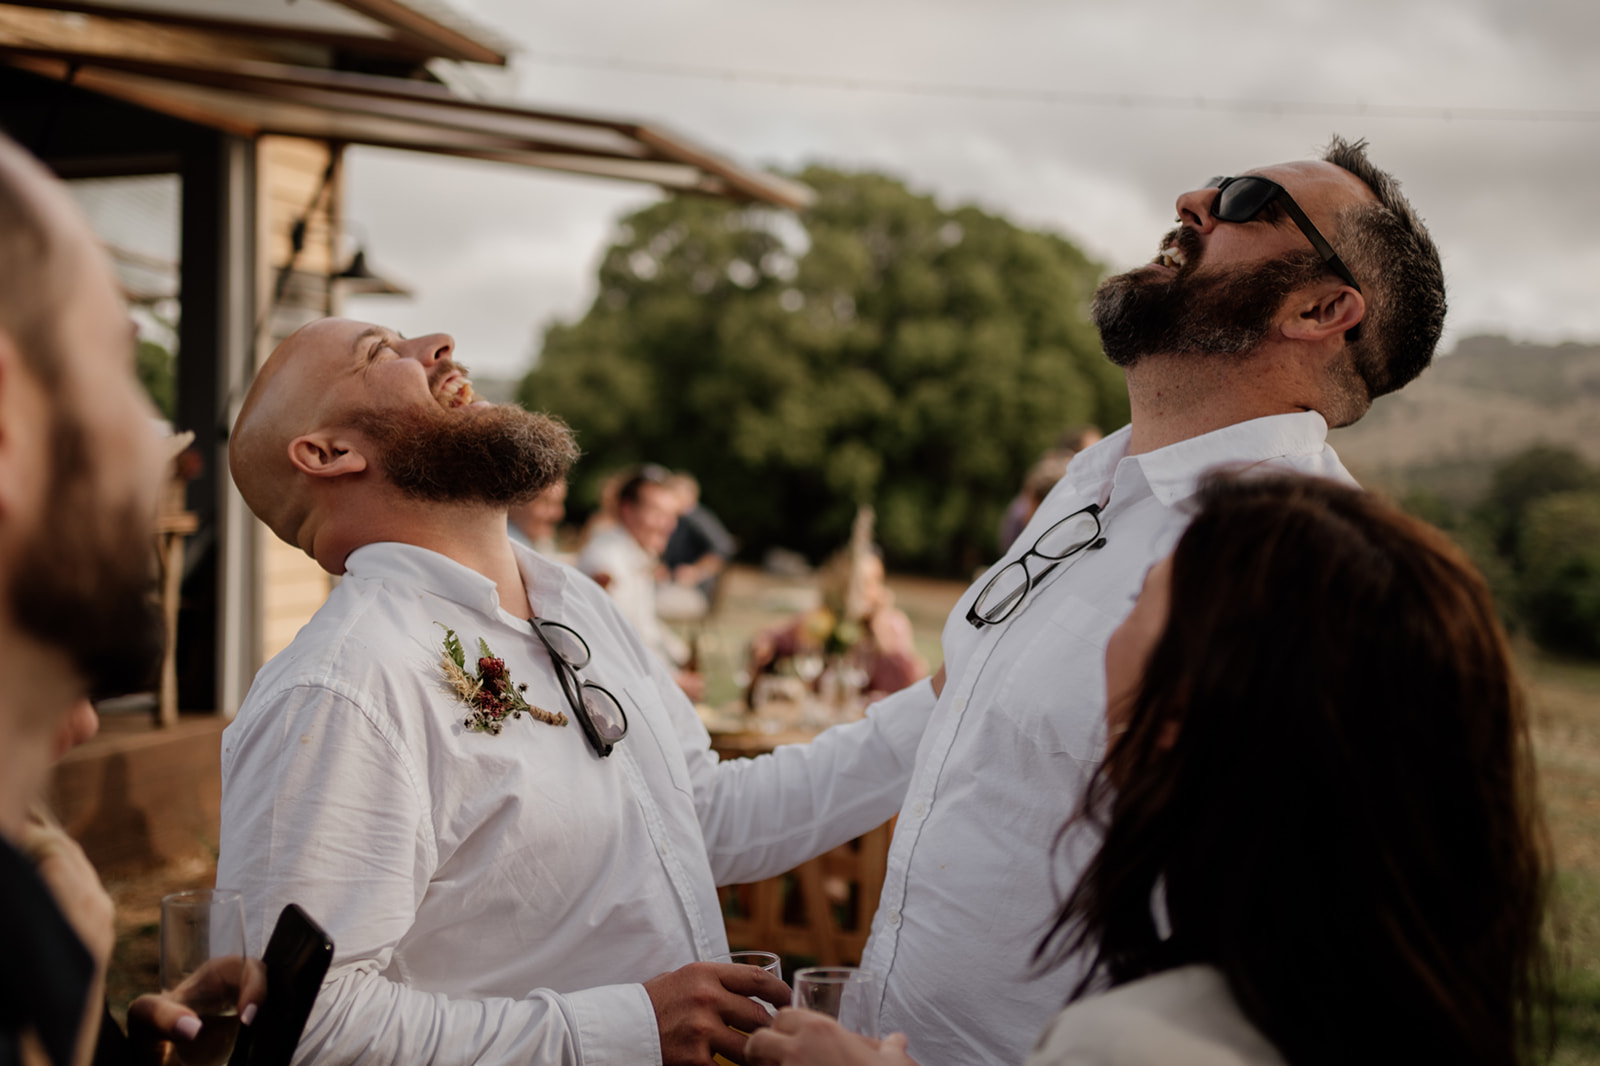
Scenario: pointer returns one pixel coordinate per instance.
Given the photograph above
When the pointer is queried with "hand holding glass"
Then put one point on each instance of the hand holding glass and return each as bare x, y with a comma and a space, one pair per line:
202, 939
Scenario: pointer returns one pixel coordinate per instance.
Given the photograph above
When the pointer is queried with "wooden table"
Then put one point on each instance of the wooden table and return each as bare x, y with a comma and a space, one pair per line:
823, 908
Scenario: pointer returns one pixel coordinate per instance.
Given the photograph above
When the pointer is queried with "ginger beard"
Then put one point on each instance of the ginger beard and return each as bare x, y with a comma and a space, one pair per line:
1228, 311
85, 583
499, 456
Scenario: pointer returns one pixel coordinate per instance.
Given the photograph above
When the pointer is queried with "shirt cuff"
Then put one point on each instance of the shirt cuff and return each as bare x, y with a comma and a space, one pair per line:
616, 1026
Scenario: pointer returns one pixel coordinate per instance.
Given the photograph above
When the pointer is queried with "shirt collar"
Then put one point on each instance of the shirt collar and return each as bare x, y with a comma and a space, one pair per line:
428, 571
1174, 471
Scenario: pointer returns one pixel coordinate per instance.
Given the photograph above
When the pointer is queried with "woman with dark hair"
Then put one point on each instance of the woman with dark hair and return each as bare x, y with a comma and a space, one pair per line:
1319, 838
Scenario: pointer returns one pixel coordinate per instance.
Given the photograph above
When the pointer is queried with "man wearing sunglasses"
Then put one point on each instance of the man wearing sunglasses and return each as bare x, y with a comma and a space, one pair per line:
469, 768
1284, 301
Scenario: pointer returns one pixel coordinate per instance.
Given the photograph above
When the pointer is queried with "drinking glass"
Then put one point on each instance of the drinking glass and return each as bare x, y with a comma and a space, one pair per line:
845, 993
764, 959
202, 935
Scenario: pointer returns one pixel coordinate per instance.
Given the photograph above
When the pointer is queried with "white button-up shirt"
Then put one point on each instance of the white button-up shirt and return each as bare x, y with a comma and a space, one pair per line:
631, 574
972, 885
499, 899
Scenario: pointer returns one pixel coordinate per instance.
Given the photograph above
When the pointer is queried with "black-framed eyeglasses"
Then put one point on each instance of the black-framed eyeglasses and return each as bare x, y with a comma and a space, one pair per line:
1241, 199
598, 712
1005, 591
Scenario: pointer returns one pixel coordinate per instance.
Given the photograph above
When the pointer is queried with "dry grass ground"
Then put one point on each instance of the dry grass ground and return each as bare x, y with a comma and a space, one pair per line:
1564, 700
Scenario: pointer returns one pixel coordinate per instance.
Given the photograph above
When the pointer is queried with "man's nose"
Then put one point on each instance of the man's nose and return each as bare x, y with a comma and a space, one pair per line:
432, 348
1194, 208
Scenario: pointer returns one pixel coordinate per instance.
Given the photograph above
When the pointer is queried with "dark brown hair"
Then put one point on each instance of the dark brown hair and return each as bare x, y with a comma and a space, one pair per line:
1390, 252
1345, 824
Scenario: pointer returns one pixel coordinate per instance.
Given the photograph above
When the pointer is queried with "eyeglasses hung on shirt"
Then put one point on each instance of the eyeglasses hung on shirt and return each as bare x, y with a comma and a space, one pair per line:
598, 712
1004, 593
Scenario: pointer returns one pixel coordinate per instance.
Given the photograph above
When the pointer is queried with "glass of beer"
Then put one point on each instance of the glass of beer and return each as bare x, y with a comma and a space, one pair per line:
202, 947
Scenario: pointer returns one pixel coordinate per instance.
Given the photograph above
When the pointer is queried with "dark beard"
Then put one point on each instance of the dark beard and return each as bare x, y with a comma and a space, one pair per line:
1217, 312
85, 583
501, 456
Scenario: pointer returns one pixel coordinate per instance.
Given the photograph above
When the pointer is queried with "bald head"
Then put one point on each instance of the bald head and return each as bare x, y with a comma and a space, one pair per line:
349, 422
292, 395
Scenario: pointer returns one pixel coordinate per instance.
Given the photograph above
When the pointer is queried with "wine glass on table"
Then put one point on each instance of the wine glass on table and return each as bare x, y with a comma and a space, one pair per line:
202, 943
847, 994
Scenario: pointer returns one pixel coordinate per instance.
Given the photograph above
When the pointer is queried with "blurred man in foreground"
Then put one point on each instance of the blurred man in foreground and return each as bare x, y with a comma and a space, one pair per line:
80, 466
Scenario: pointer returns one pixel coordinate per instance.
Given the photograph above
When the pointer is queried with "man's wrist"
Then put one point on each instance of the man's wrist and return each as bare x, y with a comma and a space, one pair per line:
614, 1025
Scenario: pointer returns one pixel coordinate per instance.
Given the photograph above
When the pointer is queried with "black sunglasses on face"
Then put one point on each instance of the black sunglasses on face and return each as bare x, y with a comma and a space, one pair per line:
600, 714
1242, 199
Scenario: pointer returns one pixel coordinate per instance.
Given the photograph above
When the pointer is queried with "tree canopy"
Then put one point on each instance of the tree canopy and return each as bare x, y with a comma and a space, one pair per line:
875, 349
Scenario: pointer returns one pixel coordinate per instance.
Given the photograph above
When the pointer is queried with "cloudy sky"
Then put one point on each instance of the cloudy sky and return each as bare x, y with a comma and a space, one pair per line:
1487, 110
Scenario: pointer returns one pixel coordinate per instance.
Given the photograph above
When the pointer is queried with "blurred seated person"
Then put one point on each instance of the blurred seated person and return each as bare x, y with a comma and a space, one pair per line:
1042, 476
696, 553
1315, 832
623, 560
857, 624
535, 523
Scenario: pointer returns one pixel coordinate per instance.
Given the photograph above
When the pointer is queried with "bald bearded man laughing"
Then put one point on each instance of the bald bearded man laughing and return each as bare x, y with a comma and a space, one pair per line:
469, 768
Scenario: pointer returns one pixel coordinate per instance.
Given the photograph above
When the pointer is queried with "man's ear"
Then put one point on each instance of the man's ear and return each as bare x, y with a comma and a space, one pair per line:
1317, 314
325, 455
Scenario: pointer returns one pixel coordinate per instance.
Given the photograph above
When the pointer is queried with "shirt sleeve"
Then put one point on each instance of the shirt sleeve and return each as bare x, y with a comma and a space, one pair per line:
321, 806
765, 815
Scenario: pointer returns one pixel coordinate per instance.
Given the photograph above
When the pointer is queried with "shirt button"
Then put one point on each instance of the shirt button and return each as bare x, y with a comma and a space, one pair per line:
894, 918
960, 704
919, 808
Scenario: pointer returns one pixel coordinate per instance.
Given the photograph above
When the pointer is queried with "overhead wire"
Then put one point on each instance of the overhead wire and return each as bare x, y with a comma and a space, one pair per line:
1069, 97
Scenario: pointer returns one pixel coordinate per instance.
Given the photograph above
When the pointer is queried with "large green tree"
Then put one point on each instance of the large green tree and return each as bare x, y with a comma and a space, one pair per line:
876, 349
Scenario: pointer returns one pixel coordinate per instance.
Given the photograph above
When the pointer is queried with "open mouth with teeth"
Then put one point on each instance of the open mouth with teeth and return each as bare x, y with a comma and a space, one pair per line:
456, 392
1172, 256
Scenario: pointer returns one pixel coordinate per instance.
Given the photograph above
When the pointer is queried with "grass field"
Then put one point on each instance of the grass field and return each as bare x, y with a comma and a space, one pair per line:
1565, 702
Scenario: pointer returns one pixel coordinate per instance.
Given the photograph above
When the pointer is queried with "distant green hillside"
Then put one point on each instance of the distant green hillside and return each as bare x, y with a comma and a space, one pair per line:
1490, 397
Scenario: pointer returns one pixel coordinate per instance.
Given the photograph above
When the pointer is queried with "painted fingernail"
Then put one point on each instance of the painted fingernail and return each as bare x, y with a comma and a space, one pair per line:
188, 1027
247, 1015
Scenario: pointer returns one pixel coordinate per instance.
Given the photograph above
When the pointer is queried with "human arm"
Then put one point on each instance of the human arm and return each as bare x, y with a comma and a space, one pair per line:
324, 805
83, 901
808, 1038
765, 815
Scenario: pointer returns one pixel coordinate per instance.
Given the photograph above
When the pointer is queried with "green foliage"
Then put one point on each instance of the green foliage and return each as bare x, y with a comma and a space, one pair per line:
1525, 478
1560, 546
883, 351
1535, 535
157, 373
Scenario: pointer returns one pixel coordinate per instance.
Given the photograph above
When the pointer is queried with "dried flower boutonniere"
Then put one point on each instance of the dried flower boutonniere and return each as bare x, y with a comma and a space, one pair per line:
489, 691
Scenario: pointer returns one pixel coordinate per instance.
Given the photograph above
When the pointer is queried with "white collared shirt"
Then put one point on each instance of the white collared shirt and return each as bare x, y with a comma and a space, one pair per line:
972, 886
631, 574
499, 899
